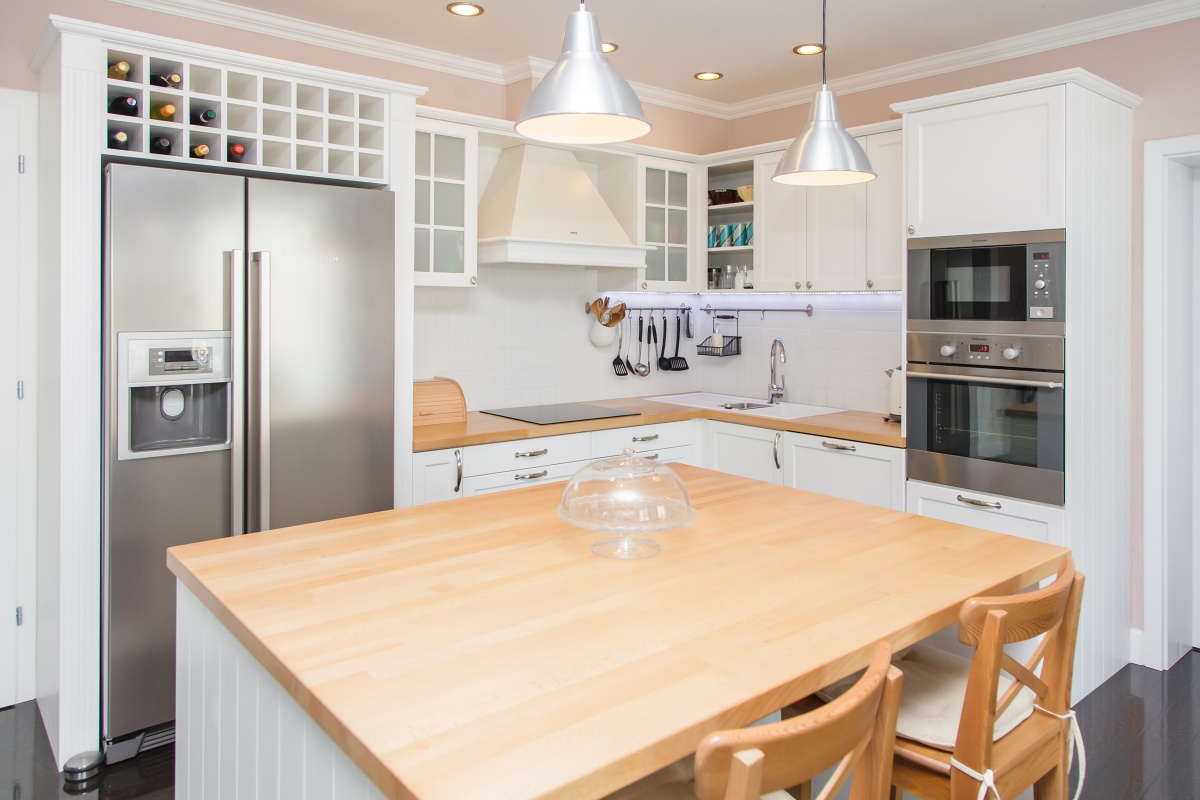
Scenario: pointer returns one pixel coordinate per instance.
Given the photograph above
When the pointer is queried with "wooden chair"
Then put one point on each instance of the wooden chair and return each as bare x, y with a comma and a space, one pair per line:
1032, 747
855, 731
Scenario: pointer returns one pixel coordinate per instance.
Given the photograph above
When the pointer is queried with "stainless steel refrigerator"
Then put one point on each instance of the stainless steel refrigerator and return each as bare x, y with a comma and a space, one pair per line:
248, 385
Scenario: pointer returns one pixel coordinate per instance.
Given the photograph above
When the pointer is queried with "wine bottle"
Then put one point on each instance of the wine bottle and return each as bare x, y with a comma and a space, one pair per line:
160, 145
236, 152
125, 105
119, 71
118, 140
172, 80
162, 111
200, 151
203, 117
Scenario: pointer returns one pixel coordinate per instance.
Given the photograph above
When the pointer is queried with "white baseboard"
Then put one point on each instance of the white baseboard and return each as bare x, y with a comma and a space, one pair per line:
1136, 647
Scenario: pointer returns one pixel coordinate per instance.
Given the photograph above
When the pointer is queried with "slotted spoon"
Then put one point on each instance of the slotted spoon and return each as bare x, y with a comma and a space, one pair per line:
618, 364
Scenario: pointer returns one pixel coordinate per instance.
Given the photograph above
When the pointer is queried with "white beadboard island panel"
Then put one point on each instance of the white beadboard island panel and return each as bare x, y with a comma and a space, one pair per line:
238, 734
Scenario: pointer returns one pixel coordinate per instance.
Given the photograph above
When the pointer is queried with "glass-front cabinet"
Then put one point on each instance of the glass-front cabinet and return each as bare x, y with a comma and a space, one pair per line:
445, 207
666, 189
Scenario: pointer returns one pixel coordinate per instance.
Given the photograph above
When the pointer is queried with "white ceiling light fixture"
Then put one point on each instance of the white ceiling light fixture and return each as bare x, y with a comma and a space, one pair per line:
582, 99
465, 9
824, 154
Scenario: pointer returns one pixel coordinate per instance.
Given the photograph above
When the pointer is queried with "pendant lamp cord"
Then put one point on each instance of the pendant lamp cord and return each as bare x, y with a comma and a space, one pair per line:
824, 40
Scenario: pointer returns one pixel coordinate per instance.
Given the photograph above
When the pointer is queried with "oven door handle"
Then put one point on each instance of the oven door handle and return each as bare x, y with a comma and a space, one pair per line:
976, 379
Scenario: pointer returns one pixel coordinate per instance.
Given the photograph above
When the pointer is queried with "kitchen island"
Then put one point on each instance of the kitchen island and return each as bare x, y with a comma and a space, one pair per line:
476, 648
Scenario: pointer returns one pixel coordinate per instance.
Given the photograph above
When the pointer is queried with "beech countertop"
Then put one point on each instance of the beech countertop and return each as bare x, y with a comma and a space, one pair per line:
480, 428
475, 648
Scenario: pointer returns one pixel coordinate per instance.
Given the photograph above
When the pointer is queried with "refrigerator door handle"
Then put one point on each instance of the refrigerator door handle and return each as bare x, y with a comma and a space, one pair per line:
237, 319
260, 385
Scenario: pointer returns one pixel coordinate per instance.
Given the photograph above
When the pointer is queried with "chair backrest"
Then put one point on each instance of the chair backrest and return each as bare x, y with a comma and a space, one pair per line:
989, 623
744, 763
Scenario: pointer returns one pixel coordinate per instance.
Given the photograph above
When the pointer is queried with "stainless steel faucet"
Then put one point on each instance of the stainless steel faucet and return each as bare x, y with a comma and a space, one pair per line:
776, 389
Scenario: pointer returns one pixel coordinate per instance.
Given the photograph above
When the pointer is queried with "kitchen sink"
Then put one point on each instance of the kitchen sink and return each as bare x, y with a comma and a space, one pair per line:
744, 405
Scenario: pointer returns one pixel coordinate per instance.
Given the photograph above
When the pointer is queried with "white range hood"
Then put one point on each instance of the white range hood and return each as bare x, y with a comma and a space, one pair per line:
540, 207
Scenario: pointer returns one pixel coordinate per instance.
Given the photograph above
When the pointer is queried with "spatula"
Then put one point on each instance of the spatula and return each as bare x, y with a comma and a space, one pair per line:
618, 364
664, 363
678, 363
628, 363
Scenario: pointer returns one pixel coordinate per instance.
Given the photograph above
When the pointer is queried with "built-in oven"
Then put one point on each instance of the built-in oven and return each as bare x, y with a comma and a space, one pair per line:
985, 413
991, 283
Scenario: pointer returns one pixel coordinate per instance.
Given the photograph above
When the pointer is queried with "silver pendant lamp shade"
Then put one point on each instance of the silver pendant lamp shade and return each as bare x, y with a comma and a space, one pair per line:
582, 99
824, 154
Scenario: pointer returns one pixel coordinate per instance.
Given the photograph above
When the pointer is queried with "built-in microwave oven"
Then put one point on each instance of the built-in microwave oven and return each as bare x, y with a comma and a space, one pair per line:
990, 283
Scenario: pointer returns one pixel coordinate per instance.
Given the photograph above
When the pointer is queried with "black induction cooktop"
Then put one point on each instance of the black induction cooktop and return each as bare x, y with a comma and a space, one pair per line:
559, 412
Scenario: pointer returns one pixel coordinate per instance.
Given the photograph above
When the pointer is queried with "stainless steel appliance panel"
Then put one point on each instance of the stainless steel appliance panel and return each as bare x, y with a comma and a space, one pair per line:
168, 238
168, 233
322, 348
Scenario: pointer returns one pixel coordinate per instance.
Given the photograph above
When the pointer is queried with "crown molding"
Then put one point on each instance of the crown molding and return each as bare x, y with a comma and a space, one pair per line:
1080, 77
292, 29
1115, 24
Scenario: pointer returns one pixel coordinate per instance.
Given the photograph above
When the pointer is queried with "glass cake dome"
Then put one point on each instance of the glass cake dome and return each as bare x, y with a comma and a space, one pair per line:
628, 496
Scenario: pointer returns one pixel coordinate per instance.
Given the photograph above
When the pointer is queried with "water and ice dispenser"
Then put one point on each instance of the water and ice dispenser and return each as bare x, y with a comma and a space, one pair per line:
175, 394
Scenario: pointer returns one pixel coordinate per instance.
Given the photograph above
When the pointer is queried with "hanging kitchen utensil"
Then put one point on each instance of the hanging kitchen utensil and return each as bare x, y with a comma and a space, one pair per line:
618, 364
691, 330
641, 368
664, 363
678, 363
628, 364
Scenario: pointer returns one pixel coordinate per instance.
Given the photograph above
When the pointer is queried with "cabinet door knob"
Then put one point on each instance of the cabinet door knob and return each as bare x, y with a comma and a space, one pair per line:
911, 230
870, 283
809, 284
474, 280
644, 284
797, 284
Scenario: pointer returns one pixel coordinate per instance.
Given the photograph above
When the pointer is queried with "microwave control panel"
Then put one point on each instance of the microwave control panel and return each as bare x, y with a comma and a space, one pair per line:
988, 350
1044, 276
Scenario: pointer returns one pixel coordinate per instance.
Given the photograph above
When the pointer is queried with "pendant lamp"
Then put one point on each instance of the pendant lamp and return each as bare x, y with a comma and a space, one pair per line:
582, 99
824, 154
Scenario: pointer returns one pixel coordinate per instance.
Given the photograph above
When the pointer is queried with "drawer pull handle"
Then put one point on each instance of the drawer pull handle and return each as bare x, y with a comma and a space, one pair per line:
529, 476
652, 458
458, 465
532, 453
776, 451
652, 437
836, 446
971, 501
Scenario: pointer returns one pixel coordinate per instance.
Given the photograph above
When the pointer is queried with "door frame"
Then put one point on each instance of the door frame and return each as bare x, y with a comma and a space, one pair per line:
23, 282
1168, 203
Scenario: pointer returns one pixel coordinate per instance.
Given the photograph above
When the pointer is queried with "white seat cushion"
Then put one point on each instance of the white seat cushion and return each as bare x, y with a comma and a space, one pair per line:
673, 782
935, 685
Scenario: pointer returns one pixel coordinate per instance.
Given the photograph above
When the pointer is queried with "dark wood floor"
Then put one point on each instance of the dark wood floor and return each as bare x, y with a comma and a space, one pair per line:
1142, 730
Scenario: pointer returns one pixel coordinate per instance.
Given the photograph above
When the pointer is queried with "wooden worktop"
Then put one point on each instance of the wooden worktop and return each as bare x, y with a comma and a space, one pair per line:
480, 428
476, 648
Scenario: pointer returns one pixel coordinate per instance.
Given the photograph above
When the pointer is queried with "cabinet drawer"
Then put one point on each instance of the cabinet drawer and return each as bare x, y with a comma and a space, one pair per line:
517, 478
671, 455
641, 438
867, 473
484, 459
1028, 520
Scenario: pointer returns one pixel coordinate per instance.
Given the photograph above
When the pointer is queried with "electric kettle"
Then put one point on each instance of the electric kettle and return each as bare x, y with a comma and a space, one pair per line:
896, 392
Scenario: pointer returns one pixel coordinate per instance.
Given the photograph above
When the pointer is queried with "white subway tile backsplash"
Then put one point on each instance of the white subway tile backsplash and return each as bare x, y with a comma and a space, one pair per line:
521, 338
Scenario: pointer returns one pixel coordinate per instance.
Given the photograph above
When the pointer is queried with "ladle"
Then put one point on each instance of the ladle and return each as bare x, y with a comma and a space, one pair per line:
642, 369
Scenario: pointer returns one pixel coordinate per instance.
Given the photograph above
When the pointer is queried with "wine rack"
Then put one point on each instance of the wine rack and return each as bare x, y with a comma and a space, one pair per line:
282, 123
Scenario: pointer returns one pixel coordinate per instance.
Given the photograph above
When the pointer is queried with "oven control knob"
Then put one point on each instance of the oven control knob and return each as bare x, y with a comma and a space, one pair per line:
1010, 353
1039, 284
949, 349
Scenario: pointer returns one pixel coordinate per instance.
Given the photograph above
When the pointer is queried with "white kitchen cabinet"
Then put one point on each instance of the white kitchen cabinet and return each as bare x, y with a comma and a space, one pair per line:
836, 219
437, 475
1036, 521
518, 478
666, 222
780, 230
642, 438
521, 454
745, 450
445, 208
989, 165
885, 213
868, 473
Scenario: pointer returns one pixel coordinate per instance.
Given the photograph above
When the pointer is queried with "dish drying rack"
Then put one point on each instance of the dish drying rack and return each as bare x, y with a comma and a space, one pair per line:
729, 346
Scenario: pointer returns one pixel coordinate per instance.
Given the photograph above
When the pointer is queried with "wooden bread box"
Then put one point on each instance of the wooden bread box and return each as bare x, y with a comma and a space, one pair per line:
437, 401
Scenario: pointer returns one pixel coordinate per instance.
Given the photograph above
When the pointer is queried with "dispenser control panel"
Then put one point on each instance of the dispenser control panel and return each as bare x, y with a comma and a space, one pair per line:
164, 361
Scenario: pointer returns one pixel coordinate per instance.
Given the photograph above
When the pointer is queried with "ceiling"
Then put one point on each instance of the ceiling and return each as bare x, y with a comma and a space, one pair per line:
664, 42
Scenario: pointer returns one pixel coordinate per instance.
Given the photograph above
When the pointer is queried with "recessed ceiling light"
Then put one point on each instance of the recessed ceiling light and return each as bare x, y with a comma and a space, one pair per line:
808, 49
465, 9
708, 76
608, 47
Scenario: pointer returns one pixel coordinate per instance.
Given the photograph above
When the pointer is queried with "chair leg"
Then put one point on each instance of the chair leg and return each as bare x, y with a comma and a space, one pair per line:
802, 792
1055, 784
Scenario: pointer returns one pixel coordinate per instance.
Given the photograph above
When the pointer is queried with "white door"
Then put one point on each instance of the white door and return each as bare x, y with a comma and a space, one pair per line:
837, 238
745, 450
780, 230
885, 212
18, 200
